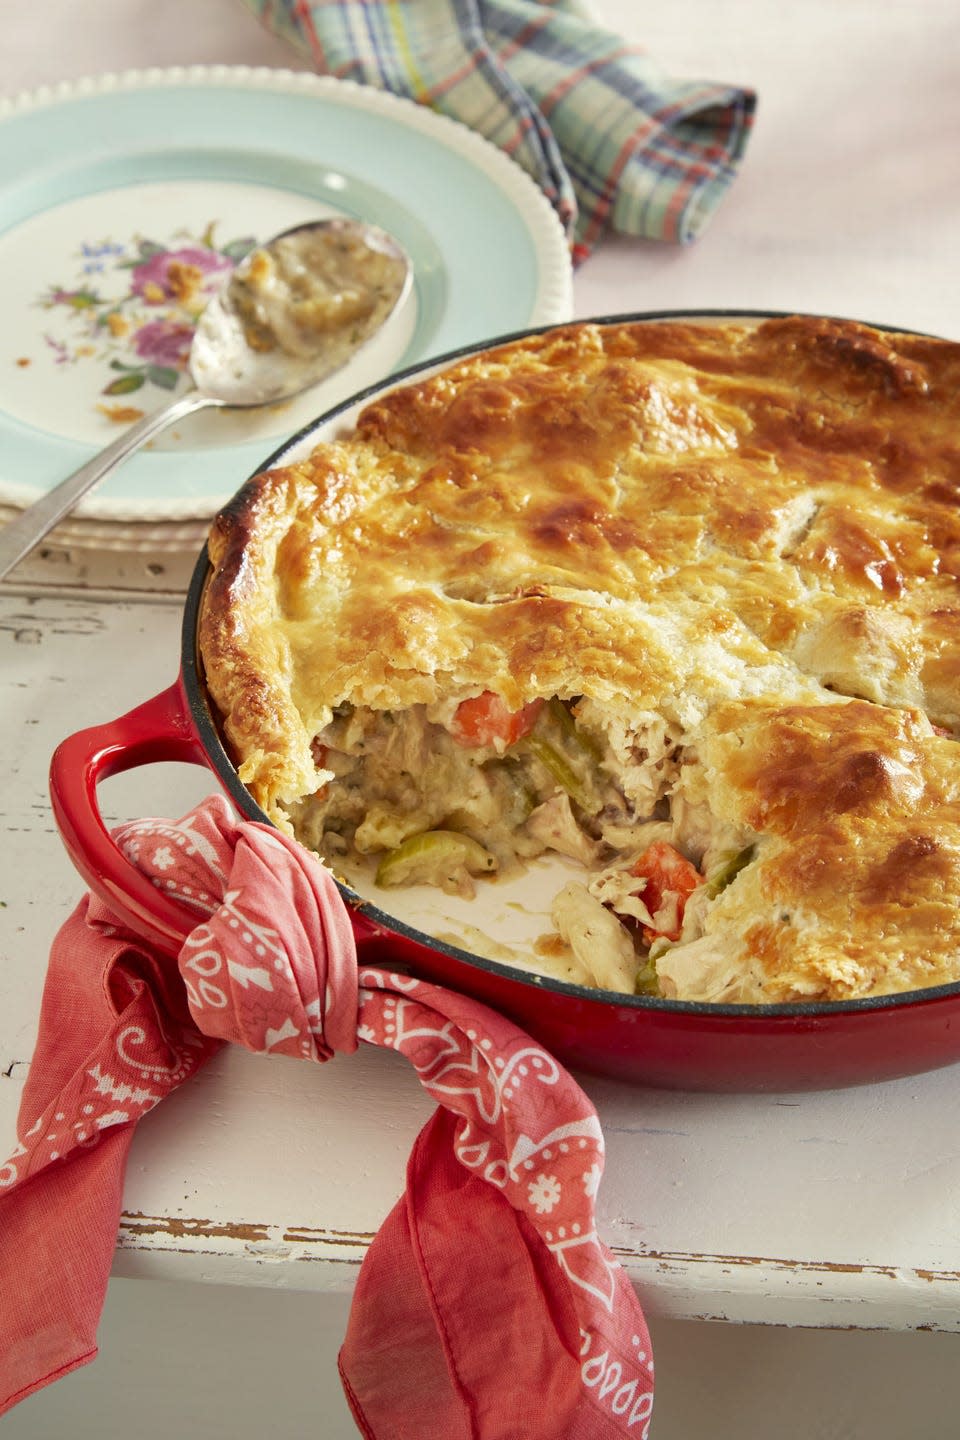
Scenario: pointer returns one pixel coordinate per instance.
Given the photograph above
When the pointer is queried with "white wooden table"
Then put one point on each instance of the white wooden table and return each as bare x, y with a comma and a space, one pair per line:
831, 1210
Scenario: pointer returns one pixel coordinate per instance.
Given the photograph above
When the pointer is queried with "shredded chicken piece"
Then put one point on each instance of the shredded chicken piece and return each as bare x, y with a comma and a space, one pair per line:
596, 937
554, 826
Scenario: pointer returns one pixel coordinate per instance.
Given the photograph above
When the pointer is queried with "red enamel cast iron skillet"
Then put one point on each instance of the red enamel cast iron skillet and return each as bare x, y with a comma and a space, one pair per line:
671, 1044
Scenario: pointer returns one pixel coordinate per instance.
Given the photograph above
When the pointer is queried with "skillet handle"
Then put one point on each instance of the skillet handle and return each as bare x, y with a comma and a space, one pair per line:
159, 729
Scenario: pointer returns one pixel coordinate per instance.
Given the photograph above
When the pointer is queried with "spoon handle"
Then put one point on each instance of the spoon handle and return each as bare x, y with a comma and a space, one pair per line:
20, 535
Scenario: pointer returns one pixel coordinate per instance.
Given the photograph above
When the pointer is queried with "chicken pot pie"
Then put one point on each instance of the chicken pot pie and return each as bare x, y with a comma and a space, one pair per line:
677, 602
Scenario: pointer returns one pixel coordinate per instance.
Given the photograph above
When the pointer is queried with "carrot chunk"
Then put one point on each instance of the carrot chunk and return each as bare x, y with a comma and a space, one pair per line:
671, 880
485, 720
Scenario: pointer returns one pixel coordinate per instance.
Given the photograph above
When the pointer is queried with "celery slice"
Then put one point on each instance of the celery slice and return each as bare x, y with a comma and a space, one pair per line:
561, 770
434, 857
566, 755
728, 868
577, 737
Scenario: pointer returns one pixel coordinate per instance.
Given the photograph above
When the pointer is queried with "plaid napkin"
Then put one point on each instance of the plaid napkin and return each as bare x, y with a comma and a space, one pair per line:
487, 1306
609, 138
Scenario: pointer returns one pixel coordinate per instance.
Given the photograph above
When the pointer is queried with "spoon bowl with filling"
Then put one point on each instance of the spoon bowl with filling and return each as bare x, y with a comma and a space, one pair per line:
295, 310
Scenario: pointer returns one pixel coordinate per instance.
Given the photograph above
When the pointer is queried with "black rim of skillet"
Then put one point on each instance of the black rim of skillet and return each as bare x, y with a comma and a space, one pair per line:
214, 748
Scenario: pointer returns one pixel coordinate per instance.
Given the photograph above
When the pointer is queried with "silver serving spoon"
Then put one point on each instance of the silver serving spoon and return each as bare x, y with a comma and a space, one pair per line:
294, 311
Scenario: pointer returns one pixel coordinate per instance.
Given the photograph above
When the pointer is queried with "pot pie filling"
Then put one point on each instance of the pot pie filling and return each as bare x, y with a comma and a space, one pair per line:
676, 602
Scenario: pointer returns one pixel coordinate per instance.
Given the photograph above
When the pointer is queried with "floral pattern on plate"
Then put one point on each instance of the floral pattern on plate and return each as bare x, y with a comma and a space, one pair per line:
133, 308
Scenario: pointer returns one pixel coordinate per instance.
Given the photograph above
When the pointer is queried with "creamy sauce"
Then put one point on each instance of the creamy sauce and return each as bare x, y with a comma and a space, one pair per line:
297, 310
316, 290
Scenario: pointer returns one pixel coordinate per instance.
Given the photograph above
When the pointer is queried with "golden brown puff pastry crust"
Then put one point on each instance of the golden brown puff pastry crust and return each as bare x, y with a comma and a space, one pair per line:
738, 527
854, 891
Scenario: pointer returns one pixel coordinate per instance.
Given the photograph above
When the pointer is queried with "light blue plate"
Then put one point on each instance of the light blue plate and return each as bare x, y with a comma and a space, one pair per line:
98, 180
